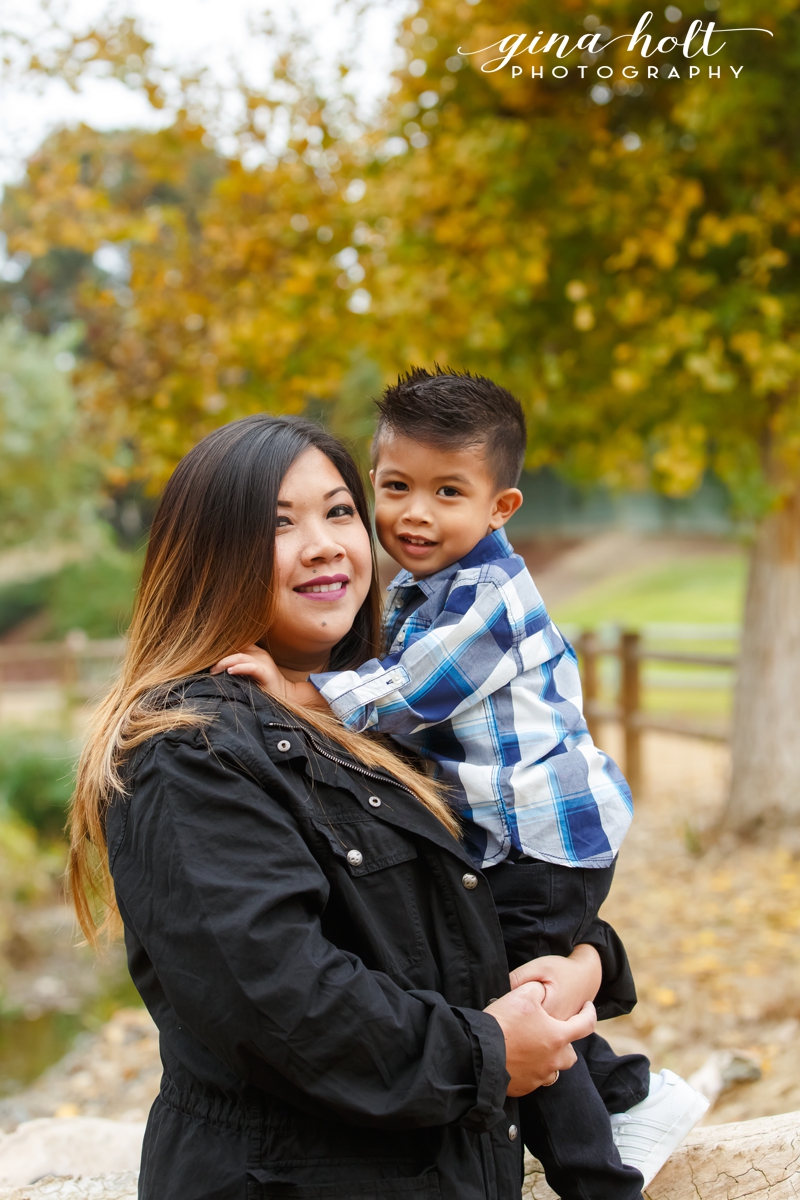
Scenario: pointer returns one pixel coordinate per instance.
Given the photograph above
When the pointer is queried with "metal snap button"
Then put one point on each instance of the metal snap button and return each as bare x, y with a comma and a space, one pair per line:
469, 881
512, 1133
284, 745
355, 858
374, 801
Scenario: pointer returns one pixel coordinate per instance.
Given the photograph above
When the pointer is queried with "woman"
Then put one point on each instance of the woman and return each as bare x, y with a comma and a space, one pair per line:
316, 949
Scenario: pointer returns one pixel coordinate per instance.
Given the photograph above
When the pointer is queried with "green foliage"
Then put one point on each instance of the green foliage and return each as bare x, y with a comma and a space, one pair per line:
95, 595
21, 600
36, 780
50, 479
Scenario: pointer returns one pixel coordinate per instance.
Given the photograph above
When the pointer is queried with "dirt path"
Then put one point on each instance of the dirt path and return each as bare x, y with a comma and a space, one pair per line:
713, 937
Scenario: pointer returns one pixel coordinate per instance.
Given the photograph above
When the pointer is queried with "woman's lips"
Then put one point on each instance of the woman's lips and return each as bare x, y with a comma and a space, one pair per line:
324, 587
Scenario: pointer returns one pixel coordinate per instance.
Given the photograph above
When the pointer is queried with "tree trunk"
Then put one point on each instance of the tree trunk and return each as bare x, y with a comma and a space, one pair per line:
765, 786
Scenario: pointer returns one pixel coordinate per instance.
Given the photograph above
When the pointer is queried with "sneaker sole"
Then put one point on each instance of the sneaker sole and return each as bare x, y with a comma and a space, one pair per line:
671, 1139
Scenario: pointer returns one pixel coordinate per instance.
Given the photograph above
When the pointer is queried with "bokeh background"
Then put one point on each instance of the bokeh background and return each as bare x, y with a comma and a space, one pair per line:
212, 211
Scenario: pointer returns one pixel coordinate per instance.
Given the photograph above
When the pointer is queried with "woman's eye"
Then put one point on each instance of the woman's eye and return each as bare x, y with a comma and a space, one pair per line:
283, 521
449, 491
342, 510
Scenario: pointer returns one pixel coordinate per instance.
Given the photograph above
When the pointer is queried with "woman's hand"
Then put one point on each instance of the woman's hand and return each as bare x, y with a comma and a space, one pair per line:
261, 666
537, 1045
568, 982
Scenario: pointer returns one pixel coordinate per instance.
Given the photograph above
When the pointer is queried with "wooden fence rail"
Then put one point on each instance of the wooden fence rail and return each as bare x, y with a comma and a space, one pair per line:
632, 652
81, 669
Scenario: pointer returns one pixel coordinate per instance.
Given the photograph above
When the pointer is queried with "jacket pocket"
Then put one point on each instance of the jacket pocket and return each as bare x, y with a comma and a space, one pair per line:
365, 843
421, 1187
375, 893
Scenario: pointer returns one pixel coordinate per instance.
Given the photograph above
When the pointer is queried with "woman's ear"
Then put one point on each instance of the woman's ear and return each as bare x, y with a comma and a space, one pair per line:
506, 504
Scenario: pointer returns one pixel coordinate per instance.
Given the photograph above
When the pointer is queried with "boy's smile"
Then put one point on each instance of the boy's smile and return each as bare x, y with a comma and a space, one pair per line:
432, 505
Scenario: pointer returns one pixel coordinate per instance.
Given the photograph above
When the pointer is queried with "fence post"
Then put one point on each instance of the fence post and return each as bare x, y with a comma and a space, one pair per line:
630, 693
587, 648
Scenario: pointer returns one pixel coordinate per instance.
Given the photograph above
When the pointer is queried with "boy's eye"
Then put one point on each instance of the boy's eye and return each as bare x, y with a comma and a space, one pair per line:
342, 510
395, 485
449, 491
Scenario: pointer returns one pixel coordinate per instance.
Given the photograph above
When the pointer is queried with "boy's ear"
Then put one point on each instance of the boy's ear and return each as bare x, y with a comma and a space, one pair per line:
372, 478
506, 504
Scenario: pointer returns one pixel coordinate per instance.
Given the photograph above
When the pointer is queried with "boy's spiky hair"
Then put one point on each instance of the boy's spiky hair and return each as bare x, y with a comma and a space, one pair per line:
454, 409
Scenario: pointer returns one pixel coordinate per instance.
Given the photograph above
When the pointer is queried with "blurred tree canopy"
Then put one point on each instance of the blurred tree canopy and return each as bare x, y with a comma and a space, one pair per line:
623, 262
621, 252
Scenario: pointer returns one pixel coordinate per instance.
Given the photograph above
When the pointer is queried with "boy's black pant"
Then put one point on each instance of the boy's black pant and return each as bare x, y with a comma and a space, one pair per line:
549, 909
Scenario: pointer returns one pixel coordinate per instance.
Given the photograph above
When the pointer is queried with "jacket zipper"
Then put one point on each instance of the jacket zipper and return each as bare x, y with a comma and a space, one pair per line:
351, 766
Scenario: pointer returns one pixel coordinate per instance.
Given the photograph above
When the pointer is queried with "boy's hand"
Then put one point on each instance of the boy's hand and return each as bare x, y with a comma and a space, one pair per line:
568, 982
259, 665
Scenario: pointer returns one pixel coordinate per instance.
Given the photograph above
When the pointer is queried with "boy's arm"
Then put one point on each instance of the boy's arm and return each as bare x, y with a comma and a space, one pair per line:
568, 982
480, 641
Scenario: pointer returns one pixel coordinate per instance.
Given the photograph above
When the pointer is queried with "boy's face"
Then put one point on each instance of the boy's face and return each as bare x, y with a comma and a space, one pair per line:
432, 505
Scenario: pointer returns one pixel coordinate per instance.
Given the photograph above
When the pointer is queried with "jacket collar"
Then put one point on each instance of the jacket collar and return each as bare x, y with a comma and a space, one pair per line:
495, 545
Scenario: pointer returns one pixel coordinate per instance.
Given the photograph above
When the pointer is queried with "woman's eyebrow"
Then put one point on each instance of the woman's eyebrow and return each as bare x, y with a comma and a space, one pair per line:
327, 496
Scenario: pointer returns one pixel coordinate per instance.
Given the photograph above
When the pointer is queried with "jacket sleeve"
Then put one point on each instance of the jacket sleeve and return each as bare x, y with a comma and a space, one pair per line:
477, 645
220, 887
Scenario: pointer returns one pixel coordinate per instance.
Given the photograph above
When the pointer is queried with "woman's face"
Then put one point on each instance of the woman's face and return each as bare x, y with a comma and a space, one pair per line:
323, 565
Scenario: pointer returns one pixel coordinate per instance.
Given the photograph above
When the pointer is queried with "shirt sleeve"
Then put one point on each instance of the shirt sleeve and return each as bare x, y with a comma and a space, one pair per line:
221, 889
481, 640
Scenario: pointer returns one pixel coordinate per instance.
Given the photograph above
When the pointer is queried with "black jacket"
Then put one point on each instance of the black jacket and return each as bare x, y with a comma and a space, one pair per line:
316, 950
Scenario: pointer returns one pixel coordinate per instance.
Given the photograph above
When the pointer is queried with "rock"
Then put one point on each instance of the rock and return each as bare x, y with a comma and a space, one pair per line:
108, 1187
113, 1073
722, 1070
756, 1160
69, 1146
759, 1160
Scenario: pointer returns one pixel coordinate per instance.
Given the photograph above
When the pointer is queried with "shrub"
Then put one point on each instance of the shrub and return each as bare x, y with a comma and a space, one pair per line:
36, 781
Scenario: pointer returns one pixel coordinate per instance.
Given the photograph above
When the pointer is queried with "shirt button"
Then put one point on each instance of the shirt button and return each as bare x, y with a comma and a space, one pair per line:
469, 881
284, 745
512, 1133
355, 858
374, 801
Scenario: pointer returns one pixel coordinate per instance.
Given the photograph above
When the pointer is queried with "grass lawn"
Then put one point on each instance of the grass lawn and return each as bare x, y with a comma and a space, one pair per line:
694, 590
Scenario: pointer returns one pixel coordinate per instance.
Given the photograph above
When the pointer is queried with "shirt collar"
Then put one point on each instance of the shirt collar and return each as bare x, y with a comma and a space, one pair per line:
494, 545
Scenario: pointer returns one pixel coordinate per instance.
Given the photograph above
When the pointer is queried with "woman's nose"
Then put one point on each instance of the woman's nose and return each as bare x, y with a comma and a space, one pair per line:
322, 547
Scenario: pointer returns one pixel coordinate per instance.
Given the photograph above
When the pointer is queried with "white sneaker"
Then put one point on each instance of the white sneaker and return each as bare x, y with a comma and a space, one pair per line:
647, 1134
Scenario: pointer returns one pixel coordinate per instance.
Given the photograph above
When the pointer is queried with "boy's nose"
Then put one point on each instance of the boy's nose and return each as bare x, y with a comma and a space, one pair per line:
416, 514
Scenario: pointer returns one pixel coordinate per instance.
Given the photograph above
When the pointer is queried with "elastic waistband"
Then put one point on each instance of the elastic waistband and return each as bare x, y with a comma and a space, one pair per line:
206, 1105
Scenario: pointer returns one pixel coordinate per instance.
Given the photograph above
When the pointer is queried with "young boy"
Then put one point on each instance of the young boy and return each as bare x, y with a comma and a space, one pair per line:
479, 682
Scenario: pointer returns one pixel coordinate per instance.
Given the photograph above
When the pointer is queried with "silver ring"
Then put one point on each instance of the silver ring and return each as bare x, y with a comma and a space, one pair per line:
553, 1080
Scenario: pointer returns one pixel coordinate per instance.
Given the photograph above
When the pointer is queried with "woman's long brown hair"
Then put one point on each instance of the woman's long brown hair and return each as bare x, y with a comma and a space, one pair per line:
206, 590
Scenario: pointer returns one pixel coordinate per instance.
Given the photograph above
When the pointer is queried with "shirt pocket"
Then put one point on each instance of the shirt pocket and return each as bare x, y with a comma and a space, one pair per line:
374, 890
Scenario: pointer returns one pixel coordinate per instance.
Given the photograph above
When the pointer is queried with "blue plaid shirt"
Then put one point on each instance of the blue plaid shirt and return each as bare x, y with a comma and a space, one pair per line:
480, 682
